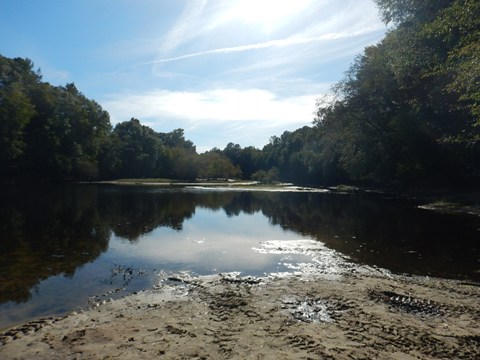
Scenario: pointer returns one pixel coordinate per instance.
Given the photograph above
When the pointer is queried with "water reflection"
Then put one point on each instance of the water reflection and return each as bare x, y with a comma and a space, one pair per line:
46, 232
387, 233
82, 232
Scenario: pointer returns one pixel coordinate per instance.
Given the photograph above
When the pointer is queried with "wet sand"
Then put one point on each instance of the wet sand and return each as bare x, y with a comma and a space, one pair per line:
348, 316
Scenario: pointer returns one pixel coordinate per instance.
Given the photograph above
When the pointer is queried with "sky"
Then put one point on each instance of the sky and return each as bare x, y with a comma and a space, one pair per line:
225, 71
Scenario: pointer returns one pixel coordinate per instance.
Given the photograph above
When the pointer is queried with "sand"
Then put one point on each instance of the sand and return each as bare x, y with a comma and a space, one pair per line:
350, 316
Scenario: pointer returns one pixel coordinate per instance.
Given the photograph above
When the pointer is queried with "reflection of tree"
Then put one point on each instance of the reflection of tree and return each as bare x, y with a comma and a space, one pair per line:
132, 212
388, 234
46, 232
215, 200
243, 202
135, 211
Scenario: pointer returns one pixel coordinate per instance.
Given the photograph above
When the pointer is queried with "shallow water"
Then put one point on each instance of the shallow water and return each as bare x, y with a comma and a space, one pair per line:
76, 245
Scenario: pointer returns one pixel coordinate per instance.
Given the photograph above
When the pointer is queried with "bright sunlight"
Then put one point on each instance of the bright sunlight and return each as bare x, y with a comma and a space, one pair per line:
268, 14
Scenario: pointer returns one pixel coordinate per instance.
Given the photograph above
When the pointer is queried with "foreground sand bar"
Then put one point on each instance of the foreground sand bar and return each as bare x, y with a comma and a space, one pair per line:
362, 316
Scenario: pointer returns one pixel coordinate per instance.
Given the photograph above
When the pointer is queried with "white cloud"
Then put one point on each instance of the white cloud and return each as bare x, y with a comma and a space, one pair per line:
252, 85
212, 105
214, 117
268, 14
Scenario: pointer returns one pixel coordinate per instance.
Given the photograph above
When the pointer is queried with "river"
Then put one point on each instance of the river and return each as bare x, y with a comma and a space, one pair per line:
72, 245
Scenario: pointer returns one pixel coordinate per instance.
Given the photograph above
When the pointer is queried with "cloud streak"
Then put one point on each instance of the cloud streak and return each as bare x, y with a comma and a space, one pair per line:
181, 31
290, 41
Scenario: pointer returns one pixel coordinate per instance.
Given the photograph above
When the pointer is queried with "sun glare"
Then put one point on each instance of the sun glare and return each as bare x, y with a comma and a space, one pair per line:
269, 14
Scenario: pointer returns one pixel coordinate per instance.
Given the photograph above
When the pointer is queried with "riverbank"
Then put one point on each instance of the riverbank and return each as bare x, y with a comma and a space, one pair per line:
218, 185
225, 316
179, 183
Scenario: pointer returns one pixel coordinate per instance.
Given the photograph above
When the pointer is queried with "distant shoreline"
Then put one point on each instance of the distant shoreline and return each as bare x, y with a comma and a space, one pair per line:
245, 185
452, 202
170, 182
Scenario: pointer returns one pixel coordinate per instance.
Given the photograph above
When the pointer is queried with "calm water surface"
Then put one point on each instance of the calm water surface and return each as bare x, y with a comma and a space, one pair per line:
61, 246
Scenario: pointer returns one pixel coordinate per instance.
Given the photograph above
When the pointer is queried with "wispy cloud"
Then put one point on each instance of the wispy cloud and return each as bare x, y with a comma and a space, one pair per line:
241, 69
267, 85
321, 21
290, 41
181, 31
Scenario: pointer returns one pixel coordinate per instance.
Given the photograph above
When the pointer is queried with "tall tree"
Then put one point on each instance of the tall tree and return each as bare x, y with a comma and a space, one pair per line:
214, 165
139, 150
16, 110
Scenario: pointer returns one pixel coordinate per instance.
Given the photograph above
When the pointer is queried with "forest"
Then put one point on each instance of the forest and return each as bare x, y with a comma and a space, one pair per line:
406, 114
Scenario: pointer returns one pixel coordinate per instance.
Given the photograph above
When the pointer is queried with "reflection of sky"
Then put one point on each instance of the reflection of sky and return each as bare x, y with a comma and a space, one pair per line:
60, 294
209, 242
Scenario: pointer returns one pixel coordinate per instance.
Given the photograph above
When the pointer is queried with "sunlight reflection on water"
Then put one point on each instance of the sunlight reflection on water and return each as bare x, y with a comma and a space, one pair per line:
320, 260
211, 242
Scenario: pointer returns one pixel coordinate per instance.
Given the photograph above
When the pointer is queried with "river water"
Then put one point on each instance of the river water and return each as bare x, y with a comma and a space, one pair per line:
73, 245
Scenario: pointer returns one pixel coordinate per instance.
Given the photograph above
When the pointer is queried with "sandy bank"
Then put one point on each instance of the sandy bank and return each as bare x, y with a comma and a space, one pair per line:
227, 317
253, 186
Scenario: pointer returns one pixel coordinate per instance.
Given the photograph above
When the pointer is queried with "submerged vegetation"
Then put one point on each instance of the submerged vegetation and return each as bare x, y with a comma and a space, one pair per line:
406, 114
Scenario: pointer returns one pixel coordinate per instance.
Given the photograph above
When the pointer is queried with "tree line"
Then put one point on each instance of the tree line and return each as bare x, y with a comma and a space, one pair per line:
406, 113
56, 133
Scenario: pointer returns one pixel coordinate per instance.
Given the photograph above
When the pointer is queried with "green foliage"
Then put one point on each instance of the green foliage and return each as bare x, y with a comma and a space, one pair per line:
15, 113
176, 139
267, 177
248, 159
180, 160
410, 11
135, 151
407, 111
56, 133
215, 165
48, 132
459, 28
16, 110
406, 114
182, 163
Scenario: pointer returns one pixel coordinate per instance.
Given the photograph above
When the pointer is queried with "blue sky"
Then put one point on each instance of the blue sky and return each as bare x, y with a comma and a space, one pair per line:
223, 70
